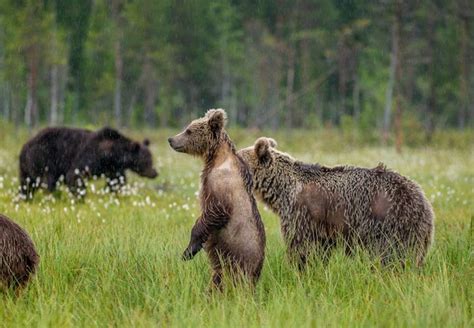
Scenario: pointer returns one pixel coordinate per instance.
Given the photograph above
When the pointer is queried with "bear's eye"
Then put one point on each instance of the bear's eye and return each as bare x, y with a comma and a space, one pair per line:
188, 132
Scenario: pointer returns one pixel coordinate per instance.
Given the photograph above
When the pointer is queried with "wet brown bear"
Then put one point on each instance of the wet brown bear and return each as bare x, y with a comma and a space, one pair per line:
377, 209
18, 257
76, 154
229, 228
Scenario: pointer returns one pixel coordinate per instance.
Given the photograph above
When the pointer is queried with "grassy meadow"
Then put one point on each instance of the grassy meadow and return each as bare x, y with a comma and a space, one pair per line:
115, 260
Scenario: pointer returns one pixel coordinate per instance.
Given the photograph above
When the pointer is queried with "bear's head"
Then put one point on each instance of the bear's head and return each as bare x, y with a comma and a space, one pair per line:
128, 154
260, 155
271, 170
142, 160
201, 134
262, 158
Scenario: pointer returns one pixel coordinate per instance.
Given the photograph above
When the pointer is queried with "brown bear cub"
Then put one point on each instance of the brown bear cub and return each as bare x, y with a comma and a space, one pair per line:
76, 154
229, 228
18, 257
377, 209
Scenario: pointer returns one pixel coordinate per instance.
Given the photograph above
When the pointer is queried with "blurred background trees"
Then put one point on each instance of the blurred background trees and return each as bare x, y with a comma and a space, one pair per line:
381, 66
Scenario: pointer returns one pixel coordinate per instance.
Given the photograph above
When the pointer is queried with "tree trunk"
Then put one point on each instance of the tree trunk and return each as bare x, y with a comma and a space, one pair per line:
53, 118
150, 92
342, 77
290, 81
307, 22
430, 107
118, 83
356, 97
131, 106
226, 83
464, 63
15, 97
116, 9
391, 83
398, 78
63, 75
4, 92
31, 110
150, 98
305, 78
6, 102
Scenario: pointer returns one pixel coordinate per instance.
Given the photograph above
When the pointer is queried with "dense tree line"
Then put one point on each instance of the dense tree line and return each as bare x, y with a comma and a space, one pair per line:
270, 63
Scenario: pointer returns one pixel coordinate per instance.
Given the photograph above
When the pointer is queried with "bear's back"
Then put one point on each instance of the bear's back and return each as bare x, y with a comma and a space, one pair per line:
53, 147
53, 134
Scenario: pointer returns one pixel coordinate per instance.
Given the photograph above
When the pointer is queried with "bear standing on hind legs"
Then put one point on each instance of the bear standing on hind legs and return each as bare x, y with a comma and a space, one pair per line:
318, 206
229, 228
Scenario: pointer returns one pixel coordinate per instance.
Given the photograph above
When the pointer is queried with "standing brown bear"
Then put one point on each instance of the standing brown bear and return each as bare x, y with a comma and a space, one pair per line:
229, 228
318, 206
18, 257
76, 154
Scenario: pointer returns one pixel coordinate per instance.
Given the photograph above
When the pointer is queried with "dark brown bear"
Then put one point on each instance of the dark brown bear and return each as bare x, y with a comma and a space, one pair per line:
76, 154
318, 206
229, 227
18, 257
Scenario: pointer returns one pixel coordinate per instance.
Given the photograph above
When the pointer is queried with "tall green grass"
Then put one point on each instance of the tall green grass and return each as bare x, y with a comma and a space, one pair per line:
115, 260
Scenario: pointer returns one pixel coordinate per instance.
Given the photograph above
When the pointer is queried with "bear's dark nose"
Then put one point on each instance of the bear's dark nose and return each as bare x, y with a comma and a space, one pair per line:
169, 140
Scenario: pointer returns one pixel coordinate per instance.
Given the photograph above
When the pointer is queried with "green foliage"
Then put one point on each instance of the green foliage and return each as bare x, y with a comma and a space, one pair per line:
270, 64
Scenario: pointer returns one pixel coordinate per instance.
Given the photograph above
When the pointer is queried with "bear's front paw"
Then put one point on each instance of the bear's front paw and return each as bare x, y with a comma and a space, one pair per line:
189, 253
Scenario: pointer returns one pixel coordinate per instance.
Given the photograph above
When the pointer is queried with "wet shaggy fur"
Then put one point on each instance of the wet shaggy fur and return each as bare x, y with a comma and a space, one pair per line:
18, 257
229, 228
76, 154
319, 206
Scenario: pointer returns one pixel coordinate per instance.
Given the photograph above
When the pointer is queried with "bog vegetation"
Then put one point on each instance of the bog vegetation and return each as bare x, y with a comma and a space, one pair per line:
115, 260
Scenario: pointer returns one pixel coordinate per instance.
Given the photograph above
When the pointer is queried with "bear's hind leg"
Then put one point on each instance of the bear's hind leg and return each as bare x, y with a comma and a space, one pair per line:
51, 181
27, 187
216, 262
115, 181
298, 256
324, 249
216, 280
76, 184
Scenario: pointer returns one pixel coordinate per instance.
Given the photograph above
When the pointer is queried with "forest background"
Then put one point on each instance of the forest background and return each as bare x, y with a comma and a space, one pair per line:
391, 70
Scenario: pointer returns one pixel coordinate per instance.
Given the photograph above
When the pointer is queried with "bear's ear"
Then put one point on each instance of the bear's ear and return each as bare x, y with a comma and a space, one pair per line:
262, 149
272, 142
134, 147
108, 133
146, 142
217, 119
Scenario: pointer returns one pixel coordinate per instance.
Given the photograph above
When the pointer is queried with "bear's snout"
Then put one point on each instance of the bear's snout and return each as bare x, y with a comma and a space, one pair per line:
148, 172
175, 144
152, 173
171, 142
